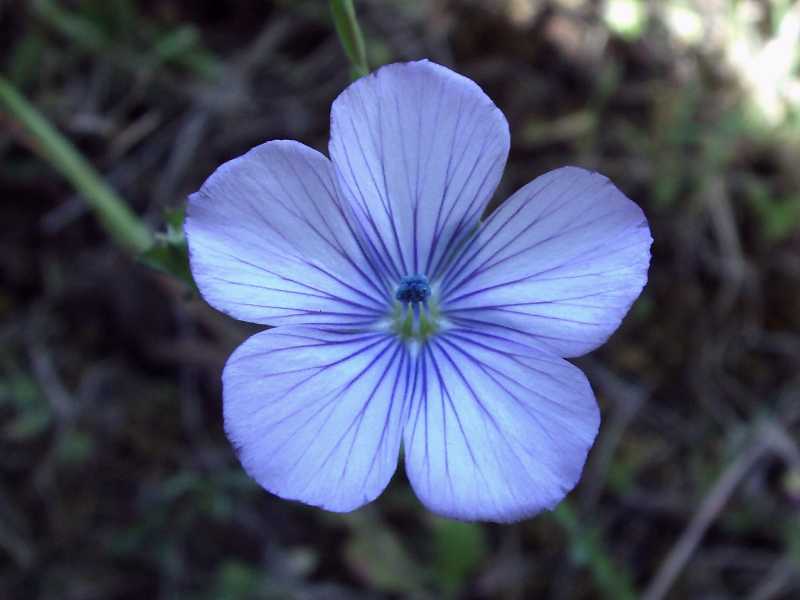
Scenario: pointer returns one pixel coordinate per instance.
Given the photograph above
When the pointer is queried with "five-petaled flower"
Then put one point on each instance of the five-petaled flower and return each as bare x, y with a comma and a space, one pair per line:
399, 317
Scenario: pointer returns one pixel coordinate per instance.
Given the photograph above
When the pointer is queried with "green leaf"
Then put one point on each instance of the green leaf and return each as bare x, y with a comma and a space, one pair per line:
460, 547
346, 23
779, 217
28, 425
170, 252
25, 59
376, 553
74, 448
587, 549
792, 536
32, 413
237, 580
182, 46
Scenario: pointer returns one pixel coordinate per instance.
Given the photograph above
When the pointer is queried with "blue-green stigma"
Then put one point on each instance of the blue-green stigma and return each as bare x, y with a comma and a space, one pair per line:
413, 289
416, 312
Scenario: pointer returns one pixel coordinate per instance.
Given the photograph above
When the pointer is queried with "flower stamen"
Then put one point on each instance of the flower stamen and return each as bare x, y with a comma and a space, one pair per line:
416, 314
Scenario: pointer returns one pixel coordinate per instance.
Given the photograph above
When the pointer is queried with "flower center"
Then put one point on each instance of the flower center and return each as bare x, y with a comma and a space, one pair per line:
416, 312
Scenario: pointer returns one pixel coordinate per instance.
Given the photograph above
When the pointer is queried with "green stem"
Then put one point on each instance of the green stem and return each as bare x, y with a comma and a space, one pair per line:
119, 221
346, 23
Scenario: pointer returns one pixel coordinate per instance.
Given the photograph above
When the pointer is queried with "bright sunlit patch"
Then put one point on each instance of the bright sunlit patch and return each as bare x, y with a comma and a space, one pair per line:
766, 66
625, 17
684, 23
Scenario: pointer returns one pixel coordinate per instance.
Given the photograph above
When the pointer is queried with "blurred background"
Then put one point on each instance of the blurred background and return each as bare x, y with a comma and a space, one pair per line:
116, 479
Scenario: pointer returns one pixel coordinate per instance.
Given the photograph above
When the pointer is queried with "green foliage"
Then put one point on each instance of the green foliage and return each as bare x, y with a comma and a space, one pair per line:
25, 58
779, 218
377, 554
384, 559
459, 549
675, 133
586, 549
116, 30
236, 580
346, 23
31, 412
169, 252
75, 448
792, 531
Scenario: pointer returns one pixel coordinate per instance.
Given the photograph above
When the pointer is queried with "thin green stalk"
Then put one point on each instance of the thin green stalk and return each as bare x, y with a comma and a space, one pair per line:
346, 23
113, 213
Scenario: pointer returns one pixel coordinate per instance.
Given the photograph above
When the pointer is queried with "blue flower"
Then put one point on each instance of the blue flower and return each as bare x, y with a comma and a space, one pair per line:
399, 317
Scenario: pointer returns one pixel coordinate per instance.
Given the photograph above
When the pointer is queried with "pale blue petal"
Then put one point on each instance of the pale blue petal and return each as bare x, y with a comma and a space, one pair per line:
498, 430
418, 151
316, 415
269, 242
563, 259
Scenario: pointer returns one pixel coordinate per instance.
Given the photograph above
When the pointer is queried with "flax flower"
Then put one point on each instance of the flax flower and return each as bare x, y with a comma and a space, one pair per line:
399, 318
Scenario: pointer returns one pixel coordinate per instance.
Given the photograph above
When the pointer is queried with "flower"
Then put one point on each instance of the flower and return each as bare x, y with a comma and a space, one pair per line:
399, 317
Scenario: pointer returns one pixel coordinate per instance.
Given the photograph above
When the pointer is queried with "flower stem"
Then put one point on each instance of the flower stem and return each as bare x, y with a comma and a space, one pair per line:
346, 23
119, 221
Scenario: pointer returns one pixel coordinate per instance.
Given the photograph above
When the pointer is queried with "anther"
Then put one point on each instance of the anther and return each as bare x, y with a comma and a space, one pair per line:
413, 289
